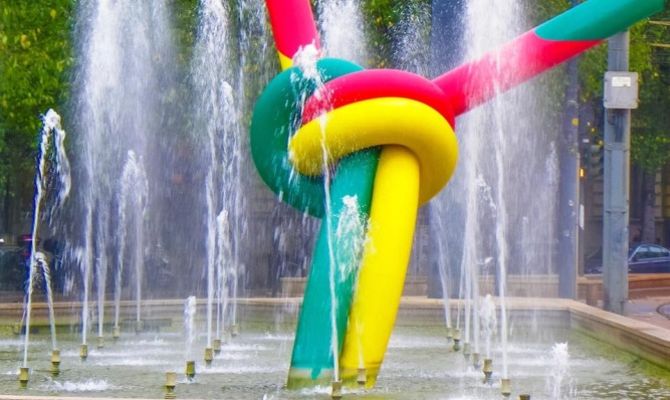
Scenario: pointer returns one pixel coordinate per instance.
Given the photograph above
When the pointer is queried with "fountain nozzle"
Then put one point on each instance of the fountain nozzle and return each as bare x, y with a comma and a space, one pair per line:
475, 360
216, 345
524, 397
467, 351
190, 370
336, 390
234, 330
83, 352
488, 370
457, 339
209, 356
101, 342
139, 326
116, 333
170, 384
24, 376
505, 387
55, 362
362, 377
450, 335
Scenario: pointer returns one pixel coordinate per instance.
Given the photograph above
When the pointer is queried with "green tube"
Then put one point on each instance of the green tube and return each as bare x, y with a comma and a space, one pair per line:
274, 119
312, 358
598, 19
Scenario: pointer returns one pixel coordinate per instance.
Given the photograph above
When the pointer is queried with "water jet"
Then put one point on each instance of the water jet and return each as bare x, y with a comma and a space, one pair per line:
488, 371
475, 361
466, 351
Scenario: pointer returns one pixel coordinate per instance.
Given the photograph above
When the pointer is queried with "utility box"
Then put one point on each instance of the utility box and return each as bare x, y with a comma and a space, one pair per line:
621, 90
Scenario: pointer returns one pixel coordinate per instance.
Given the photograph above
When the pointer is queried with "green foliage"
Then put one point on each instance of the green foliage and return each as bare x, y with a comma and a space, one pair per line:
382, 16
185, 17
651, 122
35, 57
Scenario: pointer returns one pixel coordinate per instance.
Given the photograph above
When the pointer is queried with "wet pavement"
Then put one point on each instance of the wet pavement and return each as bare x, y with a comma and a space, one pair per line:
654, 310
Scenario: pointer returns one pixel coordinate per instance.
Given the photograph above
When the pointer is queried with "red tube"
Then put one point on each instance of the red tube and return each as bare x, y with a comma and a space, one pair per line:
375, 83
515, 62
293, 25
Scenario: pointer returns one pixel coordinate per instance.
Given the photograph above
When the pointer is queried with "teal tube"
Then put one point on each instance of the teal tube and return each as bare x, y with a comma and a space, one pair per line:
598, 19
312, 358
273, 121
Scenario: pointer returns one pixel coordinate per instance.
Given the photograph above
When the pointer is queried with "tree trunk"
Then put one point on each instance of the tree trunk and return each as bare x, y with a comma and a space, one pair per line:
648, 207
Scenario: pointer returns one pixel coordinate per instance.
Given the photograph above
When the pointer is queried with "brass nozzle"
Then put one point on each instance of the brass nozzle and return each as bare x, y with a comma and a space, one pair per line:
24, 376
209, 356
361, 377
55, 362
83, 352
170, 384
505, 387
190, 369
336, 390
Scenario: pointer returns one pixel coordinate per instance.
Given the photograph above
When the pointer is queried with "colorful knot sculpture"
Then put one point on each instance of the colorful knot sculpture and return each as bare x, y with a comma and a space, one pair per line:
390, 134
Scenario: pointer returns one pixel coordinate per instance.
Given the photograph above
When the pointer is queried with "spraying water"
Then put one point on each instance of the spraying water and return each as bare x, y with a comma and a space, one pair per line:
51, 126
502, 150
341, 23
211, 74
559, 381
342, 36
42, 262
223, 258
253, 38
101, 274
306, 59
125, 71
487, 314
131, 214
189, 326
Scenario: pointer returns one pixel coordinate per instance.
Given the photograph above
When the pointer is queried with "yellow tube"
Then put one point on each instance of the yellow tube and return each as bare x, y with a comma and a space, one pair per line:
284, 61
418, 158
382, 121
382, 274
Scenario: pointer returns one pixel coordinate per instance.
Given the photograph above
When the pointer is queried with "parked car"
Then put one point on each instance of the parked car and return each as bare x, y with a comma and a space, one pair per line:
642, 258
12, 268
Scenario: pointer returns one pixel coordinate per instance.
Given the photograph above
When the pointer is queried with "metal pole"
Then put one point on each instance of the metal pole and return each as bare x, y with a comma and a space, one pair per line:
569, 189
616, 189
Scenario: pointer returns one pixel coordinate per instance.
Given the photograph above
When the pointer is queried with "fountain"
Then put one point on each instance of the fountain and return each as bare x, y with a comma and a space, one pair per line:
51, 132
137, 187
131, 215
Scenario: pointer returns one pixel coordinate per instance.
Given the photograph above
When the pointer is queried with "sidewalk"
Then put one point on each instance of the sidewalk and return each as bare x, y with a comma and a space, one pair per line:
654, 310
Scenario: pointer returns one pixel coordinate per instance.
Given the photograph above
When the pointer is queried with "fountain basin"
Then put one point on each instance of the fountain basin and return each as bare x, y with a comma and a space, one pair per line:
255, 363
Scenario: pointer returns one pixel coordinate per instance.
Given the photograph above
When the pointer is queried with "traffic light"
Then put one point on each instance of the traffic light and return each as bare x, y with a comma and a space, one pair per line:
596, 158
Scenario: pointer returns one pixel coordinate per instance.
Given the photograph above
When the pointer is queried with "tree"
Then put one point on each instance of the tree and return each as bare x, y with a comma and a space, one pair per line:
35, 56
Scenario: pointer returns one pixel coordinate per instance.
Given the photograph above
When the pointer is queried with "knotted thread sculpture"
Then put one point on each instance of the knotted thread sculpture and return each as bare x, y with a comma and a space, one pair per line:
391, 135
